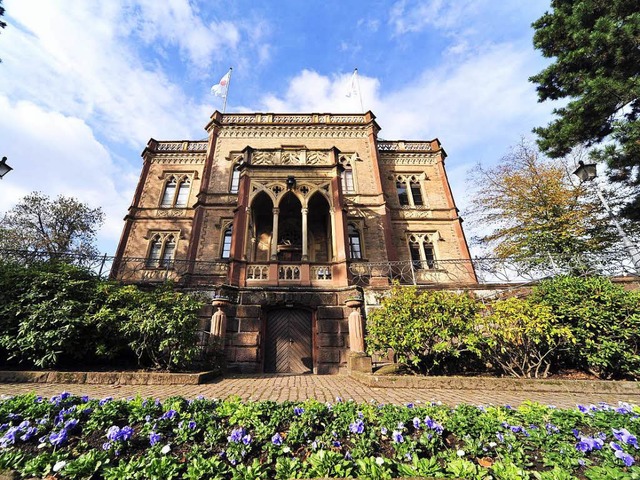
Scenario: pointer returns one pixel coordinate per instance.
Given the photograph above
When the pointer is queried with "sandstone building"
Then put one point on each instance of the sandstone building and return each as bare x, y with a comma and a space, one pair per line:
292, 221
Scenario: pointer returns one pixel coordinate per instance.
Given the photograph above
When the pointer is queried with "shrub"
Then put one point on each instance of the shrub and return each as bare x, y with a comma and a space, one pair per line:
604, 319
426, 330
43, 313
521, 337
159, 325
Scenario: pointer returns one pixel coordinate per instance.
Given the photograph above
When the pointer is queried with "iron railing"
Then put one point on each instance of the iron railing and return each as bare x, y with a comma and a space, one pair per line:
487, 270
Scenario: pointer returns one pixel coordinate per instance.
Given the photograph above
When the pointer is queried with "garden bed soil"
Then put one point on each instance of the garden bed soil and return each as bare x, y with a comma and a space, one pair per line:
568, 382
126, 377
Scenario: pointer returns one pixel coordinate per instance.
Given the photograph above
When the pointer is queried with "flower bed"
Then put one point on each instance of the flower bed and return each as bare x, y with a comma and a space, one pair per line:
75, 437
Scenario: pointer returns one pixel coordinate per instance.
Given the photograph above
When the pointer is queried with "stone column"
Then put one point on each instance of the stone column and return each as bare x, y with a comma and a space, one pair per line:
274, 235
305, 247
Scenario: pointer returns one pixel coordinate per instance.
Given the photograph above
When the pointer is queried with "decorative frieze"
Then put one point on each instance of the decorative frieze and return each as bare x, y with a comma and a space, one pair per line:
302, 131
185, 146
287, 119
401, 146
397, 158
178, 159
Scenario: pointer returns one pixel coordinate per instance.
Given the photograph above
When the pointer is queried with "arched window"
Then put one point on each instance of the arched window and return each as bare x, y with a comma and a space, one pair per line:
416, 193
169, 192
176, 192
403, 197
226, 243
162, 250
155, 249
421, 252
167, 253
347, 180
183, 193
355, 246
235, 180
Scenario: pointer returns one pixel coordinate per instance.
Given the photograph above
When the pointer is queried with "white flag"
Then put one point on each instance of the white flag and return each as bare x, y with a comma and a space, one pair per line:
220, 89
353, 90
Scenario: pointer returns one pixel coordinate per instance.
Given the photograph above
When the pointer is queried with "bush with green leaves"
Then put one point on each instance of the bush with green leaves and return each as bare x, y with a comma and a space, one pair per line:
427, 330
43, 313
604, 319
159, 325
56, 315
521, 337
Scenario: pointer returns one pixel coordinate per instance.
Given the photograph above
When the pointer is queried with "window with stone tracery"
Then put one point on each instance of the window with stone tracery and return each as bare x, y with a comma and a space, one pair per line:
421, 251
162, 249
346, 175
409, 190
176, 191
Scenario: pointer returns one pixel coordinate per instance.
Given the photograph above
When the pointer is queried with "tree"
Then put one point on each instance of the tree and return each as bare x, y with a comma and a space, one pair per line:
58, 227
597, 68
533, 211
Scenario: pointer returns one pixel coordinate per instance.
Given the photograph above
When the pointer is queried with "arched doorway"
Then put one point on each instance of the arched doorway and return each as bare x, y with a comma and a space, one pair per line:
288, 345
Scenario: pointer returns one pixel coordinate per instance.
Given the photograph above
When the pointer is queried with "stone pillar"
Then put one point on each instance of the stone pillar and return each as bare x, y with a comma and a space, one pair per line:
274, 235
305, 247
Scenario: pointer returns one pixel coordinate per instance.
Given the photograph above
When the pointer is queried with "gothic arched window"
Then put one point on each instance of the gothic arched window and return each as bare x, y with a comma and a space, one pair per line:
226, 242
176, 192
162, 249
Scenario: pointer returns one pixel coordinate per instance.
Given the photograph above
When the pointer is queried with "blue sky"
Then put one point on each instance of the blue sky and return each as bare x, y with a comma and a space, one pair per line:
85, 84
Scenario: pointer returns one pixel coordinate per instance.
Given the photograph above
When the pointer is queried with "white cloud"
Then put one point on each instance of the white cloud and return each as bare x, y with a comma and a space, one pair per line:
411, 16
177, 22
59, 155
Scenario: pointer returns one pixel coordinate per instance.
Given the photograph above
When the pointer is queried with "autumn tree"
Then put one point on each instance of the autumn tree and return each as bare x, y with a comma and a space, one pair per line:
596, 67
527, 209
60, 226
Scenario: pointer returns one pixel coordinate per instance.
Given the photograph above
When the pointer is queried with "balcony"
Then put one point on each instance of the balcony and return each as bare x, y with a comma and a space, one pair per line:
290, 274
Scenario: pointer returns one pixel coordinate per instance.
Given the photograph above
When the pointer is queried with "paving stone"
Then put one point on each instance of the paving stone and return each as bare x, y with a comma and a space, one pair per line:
324, 388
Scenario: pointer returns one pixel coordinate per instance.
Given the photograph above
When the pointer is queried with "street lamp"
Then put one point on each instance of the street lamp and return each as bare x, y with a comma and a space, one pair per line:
4, 168
586, 173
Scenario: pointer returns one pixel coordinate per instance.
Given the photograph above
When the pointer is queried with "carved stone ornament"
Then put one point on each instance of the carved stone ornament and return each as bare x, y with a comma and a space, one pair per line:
170, 212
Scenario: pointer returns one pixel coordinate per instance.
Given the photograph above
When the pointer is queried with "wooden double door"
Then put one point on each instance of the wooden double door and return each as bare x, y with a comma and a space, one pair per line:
288, 345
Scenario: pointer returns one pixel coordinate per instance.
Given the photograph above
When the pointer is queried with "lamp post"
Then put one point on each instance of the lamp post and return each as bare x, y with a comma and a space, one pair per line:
4, 168
586, 173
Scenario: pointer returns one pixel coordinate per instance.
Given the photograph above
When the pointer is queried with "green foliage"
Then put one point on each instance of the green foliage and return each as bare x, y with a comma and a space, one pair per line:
426, 330
160, 325
43, 314
521, 337
55, 315
596, 67
532, 441
604, 320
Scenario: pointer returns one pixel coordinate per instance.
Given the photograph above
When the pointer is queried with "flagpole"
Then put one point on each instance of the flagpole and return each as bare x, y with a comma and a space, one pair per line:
359, 90
226, 94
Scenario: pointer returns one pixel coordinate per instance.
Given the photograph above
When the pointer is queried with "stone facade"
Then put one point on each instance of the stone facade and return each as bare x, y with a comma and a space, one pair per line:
288, 219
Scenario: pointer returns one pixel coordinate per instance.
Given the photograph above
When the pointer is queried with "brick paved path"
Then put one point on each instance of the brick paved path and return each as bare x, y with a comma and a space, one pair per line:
321, 387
